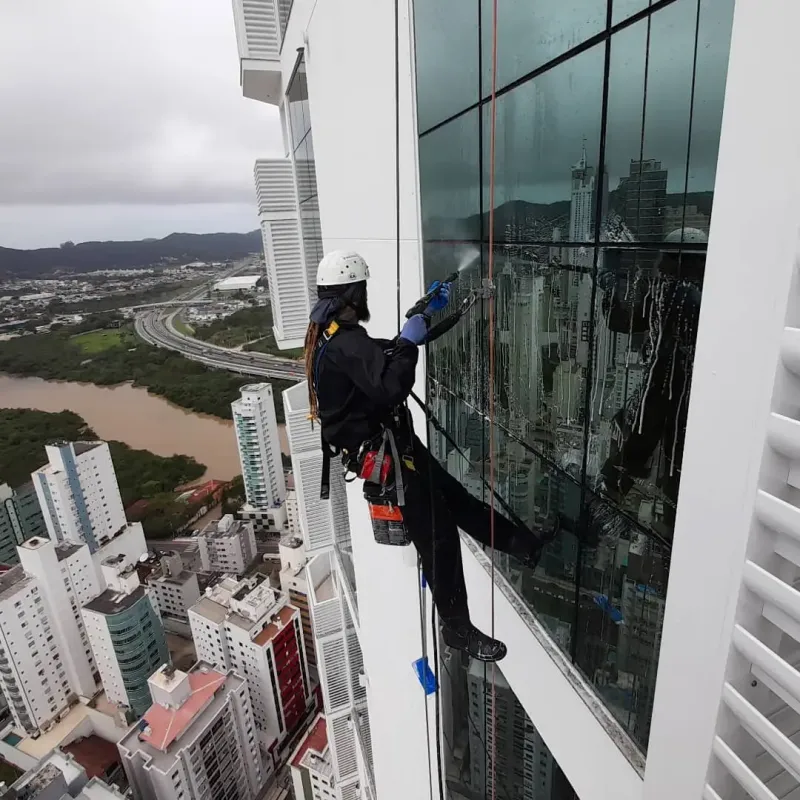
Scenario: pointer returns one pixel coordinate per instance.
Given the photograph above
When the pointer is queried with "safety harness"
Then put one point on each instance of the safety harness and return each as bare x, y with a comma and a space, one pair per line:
378, 462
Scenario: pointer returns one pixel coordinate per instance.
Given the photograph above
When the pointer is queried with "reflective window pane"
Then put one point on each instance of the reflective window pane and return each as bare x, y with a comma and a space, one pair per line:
446, 33
620, 616
449, 164
547, 143
622, 9
507, 760
297, 95
532, 32
663, 123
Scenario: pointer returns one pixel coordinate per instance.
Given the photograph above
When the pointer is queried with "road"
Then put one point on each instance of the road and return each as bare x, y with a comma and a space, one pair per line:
155, 326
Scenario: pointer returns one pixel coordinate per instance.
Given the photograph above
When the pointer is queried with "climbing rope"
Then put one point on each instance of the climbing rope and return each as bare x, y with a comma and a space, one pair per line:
491, 302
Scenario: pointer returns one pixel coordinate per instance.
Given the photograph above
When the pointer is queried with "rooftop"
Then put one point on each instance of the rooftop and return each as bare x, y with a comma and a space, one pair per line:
312, 752
210, 609
113, 602
67, 549
237, 282
85, 447
97, 756
12, 580
282, 619
226, 526
164, 725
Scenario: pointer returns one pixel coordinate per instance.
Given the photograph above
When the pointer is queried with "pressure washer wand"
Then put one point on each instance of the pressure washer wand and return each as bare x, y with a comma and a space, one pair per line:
423, 302
485, 291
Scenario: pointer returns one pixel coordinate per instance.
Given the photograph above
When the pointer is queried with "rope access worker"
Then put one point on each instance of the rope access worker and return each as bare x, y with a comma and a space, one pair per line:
358, 387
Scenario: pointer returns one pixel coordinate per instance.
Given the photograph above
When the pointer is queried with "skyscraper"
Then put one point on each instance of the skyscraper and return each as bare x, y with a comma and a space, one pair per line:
126, 636
642, 199
259, 449
78, 493
197, 740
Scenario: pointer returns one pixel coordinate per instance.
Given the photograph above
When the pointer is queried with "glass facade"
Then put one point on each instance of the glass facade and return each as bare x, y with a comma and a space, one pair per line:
607, 125
524, 769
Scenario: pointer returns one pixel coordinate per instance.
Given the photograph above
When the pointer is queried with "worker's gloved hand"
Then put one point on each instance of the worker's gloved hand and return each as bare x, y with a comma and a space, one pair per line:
440, 300
415, 330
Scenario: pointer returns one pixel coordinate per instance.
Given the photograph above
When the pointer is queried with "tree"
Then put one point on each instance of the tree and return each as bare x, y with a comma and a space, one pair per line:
66, 245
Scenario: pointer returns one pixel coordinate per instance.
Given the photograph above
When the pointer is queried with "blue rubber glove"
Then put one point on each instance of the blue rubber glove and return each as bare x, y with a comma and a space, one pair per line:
415, 330
441, 299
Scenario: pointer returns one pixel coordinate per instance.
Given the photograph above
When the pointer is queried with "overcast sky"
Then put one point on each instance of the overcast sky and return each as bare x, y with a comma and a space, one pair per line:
125, 120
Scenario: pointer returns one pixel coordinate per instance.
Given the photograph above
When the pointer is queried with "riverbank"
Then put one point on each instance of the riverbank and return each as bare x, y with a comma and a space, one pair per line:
124, 358
130, 414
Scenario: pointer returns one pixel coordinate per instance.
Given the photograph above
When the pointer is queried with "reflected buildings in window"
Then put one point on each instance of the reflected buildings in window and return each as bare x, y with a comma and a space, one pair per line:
603, 177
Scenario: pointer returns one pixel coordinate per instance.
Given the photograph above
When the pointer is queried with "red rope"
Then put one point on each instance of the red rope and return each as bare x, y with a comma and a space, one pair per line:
492, 372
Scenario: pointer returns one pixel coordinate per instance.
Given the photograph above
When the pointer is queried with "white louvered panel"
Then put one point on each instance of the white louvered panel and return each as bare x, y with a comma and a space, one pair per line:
332, 663
326, 618
351, 791
344, 738
275, 187
260, 29
302, 434
286, 277
315, 513
355, 656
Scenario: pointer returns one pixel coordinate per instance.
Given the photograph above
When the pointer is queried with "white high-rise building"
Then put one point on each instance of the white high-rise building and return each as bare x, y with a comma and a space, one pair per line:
197, 740
661, 662
34, 677
318, 519
79, 495
259, 446
249, 627
67, 579
126, 636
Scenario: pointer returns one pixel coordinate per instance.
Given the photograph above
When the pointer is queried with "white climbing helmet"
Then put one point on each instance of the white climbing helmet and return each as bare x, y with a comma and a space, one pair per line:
340, 267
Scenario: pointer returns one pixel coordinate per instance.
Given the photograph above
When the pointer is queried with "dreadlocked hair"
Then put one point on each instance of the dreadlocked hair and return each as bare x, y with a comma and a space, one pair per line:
312, 337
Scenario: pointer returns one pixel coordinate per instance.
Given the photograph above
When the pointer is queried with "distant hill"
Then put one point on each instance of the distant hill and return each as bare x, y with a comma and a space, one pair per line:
91, 256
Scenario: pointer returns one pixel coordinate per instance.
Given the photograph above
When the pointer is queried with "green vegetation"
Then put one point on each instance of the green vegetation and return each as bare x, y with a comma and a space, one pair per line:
183, 327
142, 475
62, 356
233, 496
98, 341
156, 294
251, 327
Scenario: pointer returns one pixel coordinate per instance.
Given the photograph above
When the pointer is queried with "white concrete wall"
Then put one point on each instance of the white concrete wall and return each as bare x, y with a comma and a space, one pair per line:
350, 66
752, 260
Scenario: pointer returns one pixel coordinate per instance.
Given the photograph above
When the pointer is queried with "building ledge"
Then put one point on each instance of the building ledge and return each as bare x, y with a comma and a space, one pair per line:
591, 747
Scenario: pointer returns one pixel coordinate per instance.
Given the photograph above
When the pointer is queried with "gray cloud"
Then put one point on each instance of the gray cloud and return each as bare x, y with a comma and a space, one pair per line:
125, 103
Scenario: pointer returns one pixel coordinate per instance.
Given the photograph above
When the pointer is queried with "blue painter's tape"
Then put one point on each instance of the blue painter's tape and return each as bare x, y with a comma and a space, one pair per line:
425, 675
423, 582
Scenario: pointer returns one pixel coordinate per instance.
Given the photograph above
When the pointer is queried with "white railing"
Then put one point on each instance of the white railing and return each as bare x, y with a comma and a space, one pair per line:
758, 731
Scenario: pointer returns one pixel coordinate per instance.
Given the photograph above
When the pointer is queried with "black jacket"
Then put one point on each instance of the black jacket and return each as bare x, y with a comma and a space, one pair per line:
359, 381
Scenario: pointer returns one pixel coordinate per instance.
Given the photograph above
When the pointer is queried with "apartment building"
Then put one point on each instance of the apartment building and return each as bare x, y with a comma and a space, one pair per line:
126, 637
249, 627
294, 584
545, 149
197, 740
227, 545
60, 776
33, 674
66, 578
256, 429
20, 519
311, 766
173, 591
78, 493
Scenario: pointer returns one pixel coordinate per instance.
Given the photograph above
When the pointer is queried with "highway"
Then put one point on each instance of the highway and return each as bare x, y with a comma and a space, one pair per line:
155, 327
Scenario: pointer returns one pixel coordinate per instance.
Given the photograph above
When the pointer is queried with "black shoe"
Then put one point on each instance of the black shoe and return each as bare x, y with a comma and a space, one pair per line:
467, 638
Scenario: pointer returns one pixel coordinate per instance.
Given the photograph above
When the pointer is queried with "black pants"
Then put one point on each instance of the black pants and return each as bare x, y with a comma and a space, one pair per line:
436, 506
